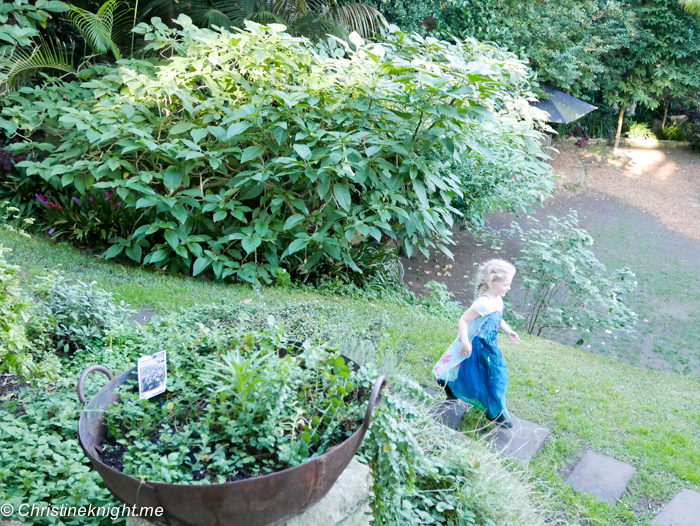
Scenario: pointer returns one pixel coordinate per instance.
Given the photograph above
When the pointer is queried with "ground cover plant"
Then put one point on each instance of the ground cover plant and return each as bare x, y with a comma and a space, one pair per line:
330, 147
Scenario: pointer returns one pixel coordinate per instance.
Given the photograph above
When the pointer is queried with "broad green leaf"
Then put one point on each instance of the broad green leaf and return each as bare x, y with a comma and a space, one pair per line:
303, 151
200, 265
181, 127
128, 110
172, 178
146, 201
171, 238
199, 134
158, 255
251, 243
237, 128
179, 212
342, 194
113, 251
251, 152
134, 252
292, 221
295, 246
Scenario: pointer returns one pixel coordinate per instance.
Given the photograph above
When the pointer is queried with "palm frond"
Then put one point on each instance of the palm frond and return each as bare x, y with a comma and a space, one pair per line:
100, 29
691, 6
316, 27
363, 18
46, 55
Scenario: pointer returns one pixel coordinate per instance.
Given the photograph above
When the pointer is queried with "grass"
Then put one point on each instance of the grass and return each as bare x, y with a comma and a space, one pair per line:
668, 295
647, 418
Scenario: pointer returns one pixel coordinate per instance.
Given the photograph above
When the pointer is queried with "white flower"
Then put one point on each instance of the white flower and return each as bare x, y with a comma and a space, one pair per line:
603, 343
589, 281
635, 282
608, 331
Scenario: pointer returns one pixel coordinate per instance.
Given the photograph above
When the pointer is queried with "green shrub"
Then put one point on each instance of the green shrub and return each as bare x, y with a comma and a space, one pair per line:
262, 151
693, 134
640, 130
566, 287
14, 315
74, 316
673, 132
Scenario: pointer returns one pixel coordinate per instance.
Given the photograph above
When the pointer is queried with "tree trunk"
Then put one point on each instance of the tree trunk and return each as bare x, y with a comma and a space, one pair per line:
619, 124
663, 122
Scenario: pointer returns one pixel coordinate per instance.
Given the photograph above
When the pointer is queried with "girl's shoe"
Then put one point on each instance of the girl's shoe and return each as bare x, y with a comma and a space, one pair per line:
503, 422
500, 421
448, 392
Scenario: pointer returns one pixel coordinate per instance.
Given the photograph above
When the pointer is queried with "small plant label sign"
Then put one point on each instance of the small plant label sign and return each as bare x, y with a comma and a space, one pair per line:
153, 375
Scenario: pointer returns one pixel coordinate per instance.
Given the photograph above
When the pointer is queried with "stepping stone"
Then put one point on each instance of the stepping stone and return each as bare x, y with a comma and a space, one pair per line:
601, 475
683, 510
142, 317
521, 442
449, 412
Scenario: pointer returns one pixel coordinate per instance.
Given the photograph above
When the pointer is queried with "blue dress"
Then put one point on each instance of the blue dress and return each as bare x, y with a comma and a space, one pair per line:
482, 378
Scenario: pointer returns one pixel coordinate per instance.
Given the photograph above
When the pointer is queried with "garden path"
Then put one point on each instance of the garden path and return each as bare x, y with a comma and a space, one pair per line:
600, 475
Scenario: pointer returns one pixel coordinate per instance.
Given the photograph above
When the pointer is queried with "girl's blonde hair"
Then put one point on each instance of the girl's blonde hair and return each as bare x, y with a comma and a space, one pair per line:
493, 271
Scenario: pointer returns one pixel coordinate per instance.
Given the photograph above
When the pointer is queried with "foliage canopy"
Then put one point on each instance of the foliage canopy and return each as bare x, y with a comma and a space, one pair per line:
255, 151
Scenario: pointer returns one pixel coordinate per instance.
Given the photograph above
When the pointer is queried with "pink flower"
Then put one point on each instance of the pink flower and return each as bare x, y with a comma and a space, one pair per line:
43, 200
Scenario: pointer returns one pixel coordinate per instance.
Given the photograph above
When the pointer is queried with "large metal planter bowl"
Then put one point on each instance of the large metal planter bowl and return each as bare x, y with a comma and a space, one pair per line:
261, 501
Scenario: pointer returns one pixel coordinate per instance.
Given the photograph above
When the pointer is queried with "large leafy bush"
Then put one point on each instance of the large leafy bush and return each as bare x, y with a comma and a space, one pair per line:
254, 151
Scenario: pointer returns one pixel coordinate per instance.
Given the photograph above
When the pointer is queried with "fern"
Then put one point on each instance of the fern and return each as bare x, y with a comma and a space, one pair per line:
101, 29
22, 64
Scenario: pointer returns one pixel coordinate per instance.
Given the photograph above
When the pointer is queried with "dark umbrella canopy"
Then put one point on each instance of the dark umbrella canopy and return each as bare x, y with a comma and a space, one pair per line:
562, 107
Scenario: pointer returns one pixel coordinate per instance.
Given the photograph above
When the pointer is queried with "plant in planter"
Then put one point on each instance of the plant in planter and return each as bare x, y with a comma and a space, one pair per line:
236, 414
239, 414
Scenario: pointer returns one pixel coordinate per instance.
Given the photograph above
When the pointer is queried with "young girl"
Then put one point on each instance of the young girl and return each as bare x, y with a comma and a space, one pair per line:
472, 369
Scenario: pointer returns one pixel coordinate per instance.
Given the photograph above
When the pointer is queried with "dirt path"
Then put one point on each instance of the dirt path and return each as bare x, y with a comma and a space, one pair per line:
643, 209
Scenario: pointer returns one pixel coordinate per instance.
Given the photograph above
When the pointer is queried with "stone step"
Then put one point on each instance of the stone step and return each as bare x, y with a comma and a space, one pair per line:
521, 442
449, 412
602, 476
683, 510
142, 317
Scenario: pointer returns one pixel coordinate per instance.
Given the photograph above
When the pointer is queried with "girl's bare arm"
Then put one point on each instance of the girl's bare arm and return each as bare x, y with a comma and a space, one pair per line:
469, 315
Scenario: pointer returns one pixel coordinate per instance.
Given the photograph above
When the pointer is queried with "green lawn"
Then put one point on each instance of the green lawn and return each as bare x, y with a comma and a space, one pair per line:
644, 417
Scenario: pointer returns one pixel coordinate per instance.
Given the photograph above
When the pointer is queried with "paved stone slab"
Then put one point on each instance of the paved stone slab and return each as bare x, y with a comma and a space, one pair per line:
601, 475
448, 412
521, 442
142, 317
683, 510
